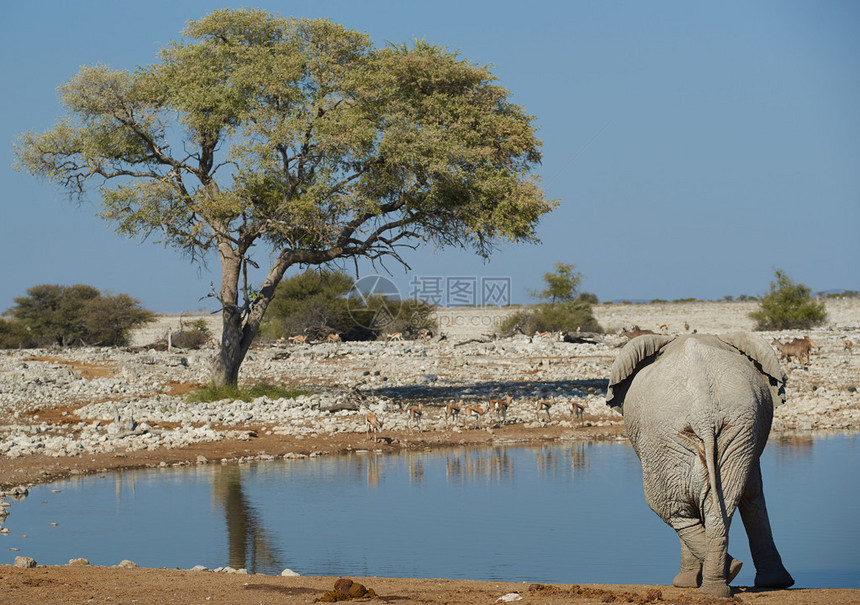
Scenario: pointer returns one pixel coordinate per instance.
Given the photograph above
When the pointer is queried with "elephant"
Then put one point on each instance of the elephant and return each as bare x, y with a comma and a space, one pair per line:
698, 410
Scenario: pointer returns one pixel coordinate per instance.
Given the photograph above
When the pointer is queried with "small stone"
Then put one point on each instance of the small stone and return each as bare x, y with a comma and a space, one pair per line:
199, 568
126, 564
80, 561
25, 562
289, 573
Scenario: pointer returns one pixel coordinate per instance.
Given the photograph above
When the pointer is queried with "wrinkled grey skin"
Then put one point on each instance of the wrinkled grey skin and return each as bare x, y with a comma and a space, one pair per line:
698, 410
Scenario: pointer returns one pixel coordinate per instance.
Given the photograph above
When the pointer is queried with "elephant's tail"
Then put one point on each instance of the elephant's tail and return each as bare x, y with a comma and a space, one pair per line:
709, 440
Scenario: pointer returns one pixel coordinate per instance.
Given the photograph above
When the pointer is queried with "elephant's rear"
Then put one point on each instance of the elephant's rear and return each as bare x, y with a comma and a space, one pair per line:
696, 419
698, 411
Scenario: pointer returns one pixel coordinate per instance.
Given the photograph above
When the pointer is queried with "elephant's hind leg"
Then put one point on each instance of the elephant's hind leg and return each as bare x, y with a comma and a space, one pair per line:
693, 552
770, 572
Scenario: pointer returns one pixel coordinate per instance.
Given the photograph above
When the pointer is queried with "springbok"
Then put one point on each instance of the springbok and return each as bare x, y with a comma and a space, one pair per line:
414, 414
543, 334
847, 345
394, 336
577, 410
333, 337
500, 407
545, 405
452, 411
373, 424
299, 339
476, 411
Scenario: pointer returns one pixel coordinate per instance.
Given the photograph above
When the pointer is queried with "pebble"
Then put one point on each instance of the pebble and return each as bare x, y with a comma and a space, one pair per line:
25, 562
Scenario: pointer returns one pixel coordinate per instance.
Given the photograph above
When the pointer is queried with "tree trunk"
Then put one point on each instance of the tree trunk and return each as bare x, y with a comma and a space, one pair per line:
225, 367
236, 337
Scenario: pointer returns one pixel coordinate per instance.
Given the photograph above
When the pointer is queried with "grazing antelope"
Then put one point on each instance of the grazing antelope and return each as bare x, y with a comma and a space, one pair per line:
373, 424
333, 337
394, 336
414, 415
500, 407
797, 348
577, 410
476, 411
545, 405
424, 334
299, 339
847, 345
543, 334
452, 411
664, 329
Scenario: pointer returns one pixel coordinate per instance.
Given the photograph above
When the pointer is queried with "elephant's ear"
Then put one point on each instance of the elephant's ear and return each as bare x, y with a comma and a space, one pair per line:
763, 356
634, 355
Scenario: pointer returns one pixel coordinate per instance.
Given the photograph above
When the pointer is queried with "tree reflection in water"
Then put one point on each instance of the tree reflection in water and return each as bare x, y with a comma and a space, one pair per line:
248, 544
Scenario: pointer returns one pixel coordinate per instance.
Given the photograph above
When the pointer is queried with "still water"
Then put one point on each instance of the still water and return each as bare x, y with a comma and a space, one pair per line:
571, 513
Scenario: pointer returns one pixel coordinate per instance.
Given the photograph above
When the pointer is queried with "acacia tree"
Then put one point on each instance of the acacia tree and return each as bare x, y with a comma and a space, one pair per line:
561, 285
298, 137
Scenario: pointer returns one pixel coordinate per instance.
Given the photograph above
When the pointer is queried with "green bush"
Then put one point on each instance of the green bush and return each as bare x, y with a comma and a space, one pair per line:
564, 309
317, 303
788, 306
192, 335
547, 317
383, 315
79, 314
14, 335
312, 303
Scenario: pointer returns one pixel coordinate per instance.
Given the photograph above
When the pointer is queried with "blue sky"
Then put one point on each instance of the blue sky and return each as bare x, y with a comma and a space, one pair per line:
694, 146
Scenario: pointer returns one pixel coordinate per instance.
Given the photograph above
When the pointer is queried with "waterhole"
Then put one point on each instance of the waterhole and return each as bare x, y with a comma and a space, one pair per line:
567, 513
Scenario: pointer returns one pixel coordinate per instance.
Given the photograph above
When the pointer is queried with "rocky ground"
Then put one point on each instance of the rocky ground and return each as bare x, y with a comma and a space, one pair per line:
88, 410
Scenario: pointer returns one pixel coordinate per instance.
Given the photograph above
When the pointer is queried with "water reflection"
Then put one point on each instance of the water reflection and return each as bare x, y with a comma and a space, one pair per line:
248, 543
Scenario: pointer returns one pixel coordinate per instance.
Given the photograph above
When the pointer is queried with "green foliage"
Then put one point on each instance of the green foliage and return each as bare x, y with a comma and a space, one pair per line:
108, 319
843, 294
561, 285
192, 335
79, 314
386, 316
232, 392
14, 335
317, 303
788, 306
312, 302
565, 317
566, 311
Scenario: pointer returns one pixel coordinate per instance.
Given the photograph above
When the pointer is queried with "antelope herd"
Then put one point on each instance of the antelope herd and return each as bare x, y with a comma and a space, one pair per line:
452, 413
